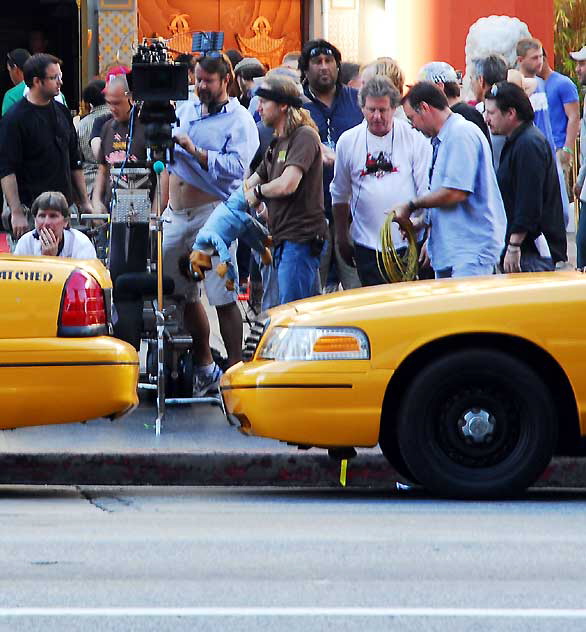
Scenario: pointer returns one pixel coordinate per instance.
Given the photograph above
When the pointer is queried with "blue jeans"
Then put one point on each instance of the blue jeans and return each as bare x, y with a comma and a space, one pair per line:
296, 271
465, 269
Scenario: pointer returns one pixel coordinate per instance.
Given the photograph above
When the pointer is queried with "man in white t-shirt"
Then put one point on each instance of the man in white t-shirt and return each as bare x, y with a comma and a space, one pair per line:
52, 235
380, 163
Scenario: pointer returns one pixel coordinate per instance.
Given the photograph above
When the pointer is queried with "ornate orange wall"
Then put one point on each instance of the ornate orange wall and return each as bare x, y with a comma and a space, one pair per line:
230, 16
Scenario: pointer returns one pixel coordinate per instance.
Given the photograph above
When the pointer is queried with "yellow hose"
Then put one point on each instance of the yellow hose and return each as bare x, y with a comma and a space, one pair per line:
395, 268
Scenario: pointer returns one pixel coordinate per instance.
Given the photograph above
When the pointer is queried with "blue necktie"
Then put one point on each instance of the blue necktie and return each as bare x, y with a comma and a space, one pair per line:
435, 143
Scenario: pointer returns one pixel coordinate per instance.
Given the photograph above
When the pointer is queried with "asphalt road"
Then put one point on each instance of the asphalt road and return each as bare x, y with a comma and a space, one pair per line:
259, 559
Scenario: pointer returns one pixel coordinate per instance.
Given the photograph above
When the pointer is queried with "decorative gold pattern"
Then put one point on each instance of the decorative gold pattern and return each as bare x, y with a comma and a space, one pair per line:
269, 50
117, 32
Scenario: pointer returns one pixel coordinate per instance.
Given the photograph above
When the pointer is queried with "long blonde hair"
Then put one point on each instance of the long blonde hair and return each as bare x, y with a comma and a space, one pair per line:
295, 117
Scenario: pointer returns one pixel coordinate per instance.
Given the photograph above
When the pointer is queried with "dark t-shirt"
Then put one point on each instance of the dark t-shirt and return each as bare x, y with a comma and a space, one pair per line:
98, 125
300, 216
39, 145
474, 116
114, 145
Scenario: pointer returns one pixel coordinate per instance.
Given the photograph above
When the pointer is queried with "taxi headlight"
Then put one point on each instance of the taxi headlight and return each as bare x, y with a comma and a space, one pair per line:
315, 343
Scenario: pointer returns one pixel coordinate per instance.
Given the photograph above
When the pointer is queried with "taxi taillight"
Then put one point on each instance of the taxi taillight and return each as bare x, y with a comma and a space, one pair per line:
83, 307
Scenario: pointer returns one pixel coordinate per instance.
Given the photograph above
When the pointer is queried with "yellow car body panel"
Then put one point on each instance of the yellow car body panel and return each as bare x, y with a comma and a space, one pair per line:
46, 379
545, 309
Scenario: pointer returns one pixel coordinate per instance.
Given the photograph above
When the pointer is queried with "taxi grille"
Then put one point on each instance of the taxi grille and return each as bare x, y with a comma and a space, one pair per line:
257, 329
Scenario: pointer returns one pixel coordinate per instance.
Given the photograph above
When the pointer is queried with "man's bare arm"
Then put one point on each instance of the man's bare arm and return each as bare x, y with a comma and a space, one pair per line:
17, 216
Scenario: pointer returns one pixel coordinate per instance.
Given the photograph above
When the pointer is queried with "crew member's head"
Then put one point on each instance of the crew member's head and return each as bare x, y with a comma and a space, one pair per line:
93, 94
246, 71
529, 56
118, 98
213, 75
426, 107
280, 105
506, 108
15, 61
50, 210
42, 74
486, 71
444, 76
319, 64
189, 61
579, 56
379, 99
386, 66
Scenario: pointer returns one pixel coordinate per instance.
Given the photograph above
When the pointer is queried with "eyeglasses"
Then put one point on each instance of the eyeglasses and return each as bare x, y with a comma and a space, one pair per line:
57, 77
320, 50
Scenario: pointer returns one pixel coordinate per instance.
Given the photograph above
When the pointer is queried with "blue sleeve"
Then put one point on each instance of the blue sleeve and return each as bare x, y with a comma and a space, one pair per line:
568, 92
461, 155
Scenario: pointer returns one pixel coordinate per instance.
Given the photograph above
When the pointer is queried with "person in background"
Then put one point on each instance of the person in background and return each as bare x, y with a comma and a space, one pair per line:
350, 74
446, 79
529, 184
246, 71
235, 56
486, 71
189, 61
93, 97
15, 61
579, 57
52, 235
335, 109
564, 113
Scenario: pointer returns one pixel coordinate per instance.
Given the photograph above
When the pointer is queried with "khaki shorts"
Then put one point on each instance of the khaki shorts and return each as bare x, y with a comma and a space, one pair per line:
180, 229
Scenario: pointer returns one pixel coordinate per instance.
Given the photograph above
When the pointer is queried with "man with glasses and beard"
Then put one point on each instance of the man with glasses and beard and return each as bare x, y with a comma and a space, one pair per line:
39, 150
334, 108
217, 138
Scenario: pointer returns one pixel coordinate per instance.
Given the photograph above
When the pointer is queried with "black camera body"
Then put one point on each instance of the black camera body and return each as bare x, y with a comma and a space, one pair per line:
156, 81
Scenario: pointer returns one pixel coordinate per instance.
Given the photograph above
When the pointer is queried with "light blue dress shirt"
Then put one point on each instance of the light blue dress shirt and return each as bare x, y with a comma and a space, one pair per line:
231, 140
473, 231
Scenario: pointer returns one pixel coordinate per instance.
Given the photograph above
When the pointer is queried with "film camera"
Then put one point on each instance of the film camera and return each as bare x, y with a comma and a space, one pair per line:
156, 81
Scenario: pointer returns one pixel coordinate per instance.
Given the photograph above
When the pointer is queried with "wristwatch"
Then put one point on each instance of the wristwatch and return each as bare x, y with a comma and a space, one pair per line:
411, 206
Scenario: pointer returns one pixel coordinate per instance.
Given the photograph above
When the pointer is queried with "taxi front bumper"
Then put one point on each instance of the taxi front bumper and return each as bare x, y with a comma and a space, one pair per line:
335, 403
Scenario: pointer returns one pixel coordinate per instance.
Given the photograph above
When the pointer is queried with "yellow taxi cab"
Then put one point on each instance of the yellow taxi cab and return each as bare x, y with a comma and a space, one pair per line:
58, 361
468, 385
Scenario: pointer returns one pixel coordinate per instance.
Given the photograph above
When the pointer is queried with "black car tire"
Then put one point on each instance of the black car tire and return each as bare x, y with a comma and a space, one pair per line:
389, 445
477, 424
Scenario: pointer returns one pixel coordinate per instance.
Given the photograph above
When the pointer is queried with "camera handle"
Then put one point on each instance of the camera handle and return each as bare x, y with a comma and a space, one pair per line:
158, 168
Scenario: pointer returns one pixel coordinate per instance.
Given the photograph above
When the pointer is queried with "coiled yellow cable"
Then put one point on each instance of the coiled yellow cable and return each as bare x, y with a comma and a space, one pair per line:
391, 265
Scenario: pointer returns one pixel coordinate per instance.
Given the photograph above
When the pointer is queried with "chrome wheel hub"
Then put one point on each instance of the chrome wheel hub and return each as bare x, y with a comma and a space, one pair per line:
477, 425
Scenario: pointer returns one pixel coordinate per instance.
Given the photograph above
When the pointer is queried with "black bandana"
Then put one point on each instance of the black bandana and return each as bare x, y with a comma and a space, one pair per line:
279, 97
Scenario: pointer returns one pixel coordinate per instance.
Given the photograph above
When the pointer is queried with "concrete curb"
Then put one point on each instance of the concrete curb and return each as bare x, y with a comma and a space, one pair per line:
227, 469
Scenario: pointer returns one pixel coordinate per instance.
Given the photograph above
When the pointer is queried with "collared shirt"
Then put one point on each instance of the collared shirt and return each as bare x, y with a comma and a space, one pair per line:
529, 184
332, 122
472, 231
230, 138
75, 245
373, 174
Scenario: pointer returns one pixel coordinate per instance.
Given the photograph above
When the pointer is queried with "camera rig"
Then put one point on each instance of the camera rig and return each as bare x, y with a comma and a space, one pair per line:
156, 80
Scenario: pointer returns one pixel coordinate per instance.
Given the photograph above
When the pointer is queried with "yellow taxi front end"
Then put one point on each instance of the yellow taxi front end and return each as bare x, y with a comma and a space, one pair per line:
342, 402
58, 363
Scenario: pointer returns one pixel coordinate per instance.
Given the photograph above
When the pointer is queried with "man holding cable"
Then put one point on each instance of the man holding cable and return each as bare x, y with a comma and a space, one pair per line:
217, 138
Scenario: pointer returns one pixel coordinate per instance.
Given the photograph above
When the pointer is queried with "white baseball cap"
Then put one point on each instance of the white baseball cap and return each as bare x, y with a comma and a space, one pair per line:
438, 72
579, 55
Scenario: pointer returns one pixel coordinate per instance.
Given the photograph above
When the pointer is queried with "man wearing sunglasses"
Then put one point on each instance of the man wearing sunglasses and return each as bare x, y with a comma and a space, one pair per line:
39, 149
335, 109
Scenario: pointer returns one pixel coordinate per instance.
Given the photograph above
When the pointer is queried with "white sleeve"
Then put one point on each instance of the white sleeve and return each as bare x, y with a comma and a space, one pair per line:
83, 248
24, 245
341, 185
421, 162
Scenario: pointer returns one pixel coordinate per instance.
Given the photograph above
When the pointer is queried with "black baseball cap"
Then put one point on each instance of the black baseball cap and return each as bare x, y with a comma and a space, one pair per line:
17, 57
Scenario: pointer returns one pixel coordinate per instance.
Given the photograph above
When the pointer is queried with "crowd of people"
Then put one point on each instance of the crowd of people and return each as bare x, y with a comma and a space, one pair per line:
323, 150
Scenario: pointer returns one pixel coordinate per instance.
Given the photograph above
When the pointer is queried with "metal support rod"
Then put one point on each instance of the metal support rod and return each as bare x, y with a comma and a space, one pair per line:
158, 168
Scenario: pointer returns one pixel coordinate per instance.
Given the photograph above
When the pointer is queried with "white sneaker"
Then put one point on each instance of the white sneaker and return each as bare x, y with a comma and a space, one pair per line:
206, 383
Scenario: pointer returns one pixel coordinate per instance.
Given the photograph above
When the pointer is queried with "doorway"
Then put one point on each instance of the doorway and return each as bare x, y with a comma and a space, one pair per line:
50, 26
